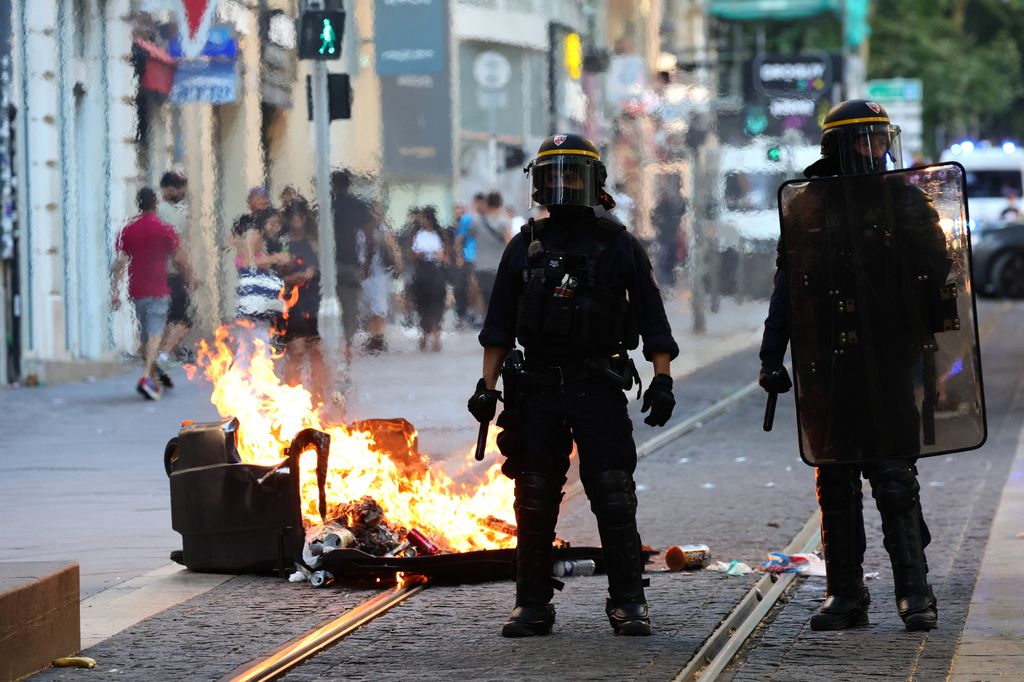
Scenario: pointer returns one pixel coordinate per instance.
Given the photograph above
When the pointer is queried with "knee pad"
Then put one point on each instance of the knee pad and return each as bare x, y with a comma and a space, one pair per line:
612, 494
838, 488
895, 489
538, 492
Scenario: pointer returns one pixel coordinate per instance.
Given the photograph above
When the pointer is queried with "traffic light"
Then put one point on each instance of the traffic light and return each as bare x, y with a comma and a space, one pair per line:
339, 96
774, 153
320, 33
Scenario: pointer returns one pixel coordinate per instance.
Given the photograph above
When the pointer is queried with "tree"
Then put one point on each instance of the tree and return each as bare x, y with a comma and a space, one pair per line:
967, 54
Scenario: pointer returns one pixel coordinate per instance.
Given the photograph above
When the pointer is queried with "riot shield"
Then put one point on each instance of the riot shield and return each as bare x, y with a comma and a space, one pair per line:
883, 326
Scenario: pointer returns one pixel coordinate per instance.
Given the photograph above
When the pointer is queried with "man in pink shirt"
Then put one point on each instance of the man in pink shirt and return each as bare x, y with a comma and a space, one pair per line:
143, 247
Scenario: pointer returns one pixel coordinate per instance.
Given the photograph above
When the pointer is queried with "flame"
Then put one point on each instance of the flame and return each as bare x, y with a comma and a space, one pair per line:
289, 301
417, 495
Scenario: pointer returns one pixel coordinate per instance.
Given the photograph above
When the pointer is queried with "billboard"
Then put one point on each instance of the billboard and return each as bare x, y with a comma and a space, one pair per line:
415, 88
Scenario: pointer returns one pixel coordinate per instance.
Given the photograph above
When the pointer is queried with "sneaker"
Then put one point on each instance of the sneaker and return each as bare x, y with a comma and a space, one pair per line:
164, 378
148, 389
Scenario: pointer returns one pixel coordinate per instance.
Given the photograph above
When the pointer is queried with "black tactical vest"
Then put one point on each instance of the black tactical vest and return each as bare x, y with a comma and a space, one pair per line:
566, 309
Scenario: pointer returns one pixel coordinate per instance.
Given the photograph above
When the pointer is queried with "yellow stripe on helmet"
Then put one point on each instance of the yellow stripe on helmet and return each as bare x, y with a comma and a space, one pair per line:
584, 152
848, 121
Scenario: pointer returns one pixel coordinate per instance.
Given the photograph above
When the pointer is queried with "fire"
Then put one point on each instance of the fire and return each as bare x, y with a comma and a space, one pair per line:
424, 497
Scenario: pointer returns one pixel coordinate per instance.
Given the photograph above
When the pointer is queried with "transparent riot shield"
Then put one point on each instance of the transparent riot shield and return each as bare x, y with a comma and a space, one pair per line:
883, 327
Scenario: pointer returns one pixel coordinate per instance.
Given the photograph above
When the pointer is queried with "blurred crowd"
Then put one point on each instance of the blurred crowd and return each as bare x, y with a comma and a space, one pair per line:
412, 273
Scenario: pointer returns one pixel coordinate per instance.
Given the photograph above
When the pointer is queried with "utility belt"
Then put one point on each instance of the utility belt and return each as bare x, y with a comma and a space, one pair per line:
617, 370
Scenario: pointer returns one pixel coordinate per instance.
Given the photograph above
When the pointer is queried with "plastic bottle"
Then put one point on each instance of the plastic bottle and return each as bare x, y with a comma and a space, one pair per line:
573, 567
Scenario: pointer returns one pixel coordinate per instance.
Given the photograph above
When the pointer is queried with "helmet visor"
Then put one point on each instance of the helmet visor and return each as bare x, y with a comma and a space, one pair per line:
564, 180
870, 148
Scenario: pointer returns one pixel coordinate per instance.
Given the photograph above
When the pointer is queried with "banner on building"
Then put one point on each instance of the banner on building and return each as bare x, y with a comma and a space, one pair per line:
194, 22
212, 78
415, 84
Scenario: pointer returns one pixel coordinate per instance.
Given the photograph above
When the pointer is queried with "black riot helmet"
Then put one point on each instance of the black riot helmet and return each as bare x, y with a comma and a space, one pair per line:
567, 172
857, 137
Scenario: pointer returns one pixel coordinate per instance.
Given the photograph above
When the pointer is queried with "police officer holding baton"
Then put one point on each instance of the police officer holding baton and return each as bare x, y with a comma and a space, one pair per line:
861, 292
576, 290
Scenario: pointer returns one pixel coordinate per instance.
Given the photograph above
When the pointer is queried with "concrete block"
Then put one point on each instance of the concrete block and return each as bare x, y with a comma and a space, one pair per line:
39, 618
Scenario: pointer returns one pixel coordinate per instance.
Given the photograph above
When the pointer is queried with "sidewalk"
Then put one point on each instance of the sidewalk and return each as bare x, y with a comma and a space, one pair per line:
992, 644
81, 467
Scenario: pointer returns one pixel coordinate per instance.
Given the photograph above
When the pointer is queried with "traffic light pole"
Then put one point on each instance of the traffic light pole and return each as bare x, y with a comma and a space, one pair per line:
329, 313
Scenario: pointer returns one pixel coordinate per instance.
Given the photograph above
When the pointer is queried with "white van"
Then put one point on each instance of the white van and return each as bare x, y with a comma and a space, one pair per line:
993, 173
748, 225
751, 176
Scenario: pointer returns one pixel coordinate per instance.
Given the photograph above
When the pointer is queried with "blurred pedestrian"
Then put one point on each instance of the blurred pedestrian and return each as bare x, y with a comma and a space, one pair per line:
143, 248
173, 210
350, 217
259, 286
381, 260
515, 219
258, 200
300, 326
491, 237
1012, 210
668, 218
428, 280
288, 195
467, 292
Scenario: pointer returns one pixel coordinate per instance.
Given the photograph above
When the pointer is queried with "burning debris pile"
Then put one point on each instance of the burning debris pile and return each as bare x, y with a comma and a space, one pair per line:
375, 491
361, 525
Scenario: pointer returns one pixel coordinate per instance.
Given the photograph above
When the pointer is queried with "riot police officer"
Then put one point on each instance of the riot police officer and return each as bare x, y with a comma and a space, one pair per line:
857, 143
577, 292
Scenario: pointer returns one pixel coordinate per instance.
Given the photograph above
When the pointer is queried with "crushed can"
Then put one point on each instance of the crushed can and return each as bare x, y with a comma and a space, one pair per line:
422, 543
687, 557
321, 578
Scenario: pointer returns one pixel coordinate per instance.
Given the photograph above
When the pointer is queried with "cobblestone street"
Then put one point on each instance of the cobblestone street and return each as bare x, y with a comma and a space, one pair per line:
726, 483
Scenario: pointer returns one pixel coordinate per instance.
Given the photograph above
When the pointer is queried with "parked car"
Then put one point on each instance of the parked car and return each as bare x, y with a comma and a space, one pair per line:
998, 250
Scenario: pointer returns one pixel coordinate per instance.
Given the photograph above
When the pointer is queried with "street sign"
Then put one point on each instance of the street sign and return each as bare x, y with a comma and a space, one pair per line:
895, 90
194, 21
492, 70
809, 76
491, 99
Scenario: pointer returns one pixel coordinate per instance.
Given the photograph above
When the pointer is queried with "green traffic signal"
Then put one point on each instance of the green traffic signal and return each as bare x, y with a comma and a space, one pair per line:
774, 154
328, 38
320, 33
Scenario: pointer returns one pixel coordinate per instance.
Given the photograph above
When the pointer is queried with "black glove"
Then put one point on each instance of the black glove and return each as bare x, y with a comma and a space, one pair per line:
659, 400
774, 379
483, 404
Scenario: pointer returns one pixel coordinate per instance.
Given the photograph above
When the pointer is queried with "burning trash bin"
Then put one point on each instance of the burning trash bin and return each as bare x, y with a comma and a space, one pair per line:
235, 517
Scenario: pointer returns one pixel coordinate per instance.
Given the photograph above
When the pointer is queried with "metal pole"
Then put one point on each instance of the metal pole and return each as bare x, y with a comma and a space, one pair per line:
492, 146
328, 258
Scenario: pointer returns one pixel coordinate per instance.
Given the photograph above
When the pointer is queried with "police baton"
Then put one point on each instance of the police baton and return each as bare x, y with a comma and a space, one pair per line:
481, 440
769, 411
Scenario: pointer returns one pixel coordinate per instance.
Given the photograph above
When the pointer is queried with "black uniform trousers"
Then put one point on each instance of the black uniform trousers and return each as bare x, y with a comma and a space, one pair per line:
590, 412
896, 491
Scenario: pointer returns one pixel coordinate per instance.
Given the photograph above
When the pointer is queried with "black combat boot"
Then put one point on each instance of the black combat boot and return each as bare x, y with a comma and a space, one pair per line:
537, 500
613, 501
906, 536
842, 540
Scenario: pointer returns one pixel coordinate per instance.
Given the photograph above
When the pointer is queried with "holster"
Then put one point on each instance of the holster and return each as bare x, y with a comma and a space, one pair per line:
619, 370
510, 420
